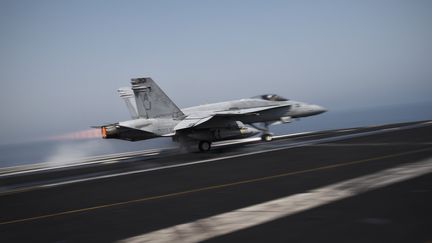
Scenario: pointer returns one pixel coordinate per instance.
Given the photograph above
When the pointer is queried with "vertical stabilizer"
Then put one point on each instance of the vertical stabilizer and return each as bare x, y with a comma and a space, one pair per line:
151, 101
128, 96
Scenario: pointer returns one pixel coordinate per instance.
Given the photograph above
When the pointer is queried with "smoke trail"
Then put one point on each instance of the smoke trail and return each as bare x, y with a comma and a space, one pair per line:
67, 152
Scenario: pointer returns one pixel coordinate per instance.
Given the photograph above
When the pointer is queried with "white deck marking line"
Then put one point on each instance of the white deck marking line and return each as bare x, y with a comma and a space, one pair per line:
45, 166
290, 146
370, 144
347, 130
243, 218
101, 158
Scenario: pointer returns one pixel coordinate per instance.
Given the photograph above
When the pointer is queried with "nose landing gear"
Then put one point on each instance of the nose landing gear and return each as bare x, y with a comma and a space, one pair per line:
267, 137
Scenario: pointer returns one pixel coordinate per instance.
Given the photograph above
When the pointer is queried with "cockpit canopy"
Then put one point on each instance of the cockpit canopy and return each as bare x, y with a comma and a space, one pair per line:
270, 97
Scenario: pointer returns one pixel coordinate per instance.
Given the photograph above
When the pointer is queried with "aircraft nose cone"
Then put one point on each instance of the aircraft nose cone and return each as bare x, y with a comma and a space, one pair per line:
321, 109
316, 109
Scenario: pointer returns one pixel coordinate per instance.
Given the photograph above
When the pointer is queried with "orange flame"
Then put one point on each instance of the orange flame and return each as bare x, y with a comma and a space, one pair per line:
103, 130
79, 135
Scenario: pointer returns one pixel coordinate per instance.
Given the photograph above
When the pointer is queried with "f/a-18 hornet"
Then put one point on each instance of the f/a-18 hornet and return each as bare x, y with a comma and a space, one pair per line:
155, 115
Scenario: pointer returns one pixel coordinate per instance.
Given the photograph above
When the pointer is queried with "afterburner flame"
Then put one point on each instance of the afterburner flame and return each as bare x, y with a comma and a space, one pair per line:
103, 131
78, 135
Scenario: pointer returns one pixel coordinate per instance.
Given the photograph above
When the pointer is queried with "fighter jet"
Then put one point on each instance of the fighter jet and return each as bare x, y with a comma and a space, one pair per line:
154, 114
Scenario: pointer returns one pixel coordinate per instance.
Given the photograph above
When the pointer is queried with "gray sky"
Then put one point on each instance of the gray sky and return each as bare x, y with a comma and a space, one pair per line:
62, 61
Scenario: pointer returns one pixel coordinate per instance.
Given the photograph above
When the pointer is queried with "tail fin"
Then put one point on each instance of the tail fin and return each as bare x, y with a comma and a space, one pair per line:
127, 95
151, 101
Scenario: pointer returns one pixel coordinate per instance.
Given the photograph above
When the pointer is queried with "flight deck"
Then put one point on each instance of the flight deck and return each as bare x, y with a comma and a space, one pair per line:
363, 184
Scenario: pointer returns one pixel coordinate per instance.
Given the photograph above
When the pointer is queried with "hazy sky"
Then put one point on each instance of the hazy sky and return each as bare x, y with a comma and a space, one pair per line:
62, 61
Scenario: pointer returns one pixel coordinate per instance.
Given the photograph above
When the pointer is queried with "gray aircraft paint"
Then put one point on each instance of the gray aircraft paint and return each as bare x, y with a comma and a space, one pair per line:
151, 101
155, 114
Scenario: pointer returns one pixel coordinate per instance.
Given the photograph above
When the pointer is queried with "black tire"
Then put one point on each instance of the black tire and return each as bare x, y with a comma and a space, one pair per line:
204, 146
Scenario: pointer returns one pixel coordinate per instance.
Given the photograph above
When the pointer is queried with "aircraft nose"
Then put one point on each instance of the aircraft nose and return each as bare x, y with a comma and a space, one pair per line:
319, 109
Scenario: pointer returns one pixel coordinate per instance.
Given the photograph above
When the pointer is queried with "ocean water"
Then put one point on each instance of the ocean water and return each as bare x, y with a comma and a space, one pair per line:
58, 152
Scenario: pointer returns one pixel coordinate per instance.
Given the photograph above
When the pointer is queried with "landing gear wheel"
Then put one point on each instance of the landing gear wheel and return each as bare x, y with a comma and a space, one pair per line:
266, 137
204, 146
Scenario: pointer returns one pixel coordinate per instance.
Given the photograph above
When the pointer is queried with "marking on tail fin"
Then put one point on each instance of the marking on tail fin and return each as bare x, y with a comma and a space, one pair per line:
147, 103
151, 101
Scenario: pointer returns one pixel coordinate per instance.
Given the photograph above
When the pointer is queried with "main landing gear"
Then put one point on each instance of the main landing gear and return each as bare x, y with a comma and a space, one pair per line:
204, 146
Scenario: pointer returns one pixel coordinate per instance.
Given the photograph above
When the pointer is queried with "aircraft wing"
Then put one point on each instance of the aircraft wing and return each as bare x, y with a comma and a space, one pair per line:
249, 111
192, 121
196, 119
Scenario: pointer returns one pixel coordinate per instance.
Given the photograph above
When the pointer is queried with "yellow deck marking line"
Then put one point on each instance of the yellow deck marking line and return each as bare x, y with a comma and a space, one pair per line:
338, 165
